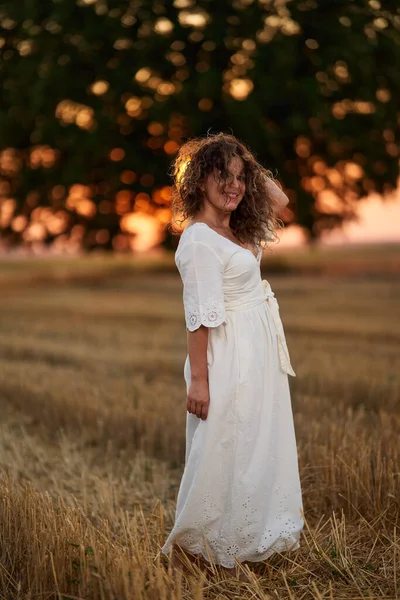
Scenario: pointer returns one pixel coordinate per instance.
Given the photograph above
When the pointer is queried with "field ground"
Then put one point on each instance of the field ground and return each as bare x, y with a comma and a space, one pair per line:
92, 432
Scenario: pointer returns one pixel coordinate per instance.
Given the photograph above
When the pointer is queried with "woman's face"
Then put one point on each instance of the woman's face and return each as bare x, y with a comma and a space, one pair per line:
225, 195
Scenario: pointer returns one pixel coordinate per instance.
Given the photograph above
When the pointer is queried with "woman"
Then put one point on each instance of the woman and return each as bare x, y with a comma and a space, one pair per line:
240, 496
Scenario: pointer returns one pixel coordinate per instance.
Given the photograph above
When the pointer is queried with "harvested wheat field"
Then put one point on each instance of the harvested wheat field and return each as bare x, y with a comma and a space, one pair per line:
93, 412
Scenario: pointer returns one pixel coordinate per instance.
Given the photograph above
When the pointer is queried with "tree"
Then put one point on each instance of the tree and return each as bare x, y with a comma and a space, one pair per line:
97, 97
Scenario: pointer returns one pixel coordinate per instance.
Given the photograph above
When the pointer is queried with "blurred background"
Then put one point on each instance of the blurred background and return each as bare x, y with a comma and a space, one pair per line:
97, 97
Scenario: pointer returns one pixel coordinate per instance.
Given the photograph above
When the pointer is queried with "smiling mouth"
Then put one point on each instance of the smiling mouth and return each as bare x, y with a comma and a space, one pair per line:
231, 196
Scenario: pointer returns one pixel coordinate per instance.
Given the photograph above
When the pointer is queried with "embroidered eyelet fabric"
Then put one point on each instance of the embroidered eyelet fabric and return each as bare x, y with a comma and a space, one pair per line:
240, 495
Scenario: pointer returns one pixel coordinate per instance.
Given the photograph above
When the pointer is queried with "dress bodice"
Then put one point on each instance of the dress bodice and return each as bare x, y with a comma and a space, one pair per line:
232, 268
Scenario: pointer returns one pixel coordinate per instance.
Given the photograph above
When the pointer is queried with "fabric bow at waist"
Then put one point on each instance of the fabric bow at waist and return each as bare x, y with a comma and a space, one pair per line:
273, 307
268, 297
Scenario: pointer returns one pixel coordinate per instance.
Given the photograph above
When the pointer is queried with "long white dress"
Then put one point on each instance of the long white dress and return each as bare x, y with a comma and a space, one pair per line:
240, 495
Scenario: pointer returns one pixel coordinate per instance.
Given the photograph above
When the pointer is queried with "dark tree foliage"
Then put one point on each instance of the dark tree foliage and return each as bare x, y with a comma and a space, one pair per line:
101, 93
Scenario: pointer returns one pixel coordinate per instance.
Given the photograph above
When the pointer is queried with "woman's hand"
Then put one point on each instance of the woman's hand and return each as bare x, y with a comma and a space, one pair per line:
278, 197
198, 399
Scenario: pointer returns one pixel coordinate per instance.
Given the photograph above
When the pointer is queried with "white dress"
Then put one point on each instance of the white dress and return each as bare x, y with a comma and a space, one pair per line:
240, 494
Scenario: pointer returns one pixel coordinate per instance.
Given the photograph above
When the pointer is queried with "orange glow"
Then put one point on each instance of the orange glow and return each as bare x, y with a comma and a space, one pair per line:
77, 232
35, 232
240, 88
353, 171
142, 76
142, 202
163, 215
176, 58
163, 195
302, 147
286, 215
163, 26
392, 149
154, 82
57, 223
146, 229
76, 192
166, 192
99, 87
155, 128
123, 196
319, 167
19, 223
128, 177
383, 95
205, 104
312, 44
10, 161
85, 207
40, 213
341, 71
294, 235
42, 156
117, 154
194, 18
334, 177
25, 47
123, 202
166, 88
7, 208
133, 106
73, 112
317, 183
171, 147
380, 23
328, 202
306, 184
344, 107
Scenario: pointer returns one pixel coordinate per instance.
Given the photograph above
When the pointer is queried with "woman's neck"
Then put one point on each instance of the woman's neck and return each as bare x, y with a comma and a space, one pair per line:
214, 217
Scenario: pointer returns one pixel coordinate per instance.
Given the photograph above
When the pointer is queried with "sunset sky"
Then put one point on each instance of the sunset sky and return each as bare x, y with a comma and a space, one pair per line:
379, 221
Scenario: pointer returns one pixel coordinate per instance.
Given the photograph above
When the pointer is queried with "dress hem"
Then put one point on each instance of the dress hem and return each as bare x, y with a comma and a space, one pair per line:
229, 564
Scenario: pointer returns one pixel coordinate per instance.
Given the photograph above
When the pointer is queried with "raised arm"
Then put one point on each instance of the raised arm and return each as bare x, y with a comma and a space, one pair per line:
278, 196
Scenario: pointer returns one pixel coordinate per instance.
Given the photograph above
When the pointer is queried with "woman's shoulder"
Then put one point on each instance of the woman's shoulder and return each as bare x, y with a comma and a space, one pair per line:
199, 233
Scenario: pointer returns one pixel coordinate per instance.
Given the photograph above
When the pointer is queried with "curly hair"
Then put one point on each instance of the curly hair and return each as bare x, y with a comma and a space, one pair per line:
254, 220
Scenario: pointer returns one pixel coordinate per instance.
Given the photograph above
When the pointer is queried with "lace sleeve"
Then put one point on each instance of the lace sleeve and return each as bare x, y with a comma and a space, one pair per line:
202, 275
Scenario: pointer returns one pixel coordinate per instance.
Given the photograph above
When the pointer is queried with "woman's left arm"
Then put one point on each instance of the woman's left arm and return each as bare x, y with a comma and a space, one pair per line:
278, 196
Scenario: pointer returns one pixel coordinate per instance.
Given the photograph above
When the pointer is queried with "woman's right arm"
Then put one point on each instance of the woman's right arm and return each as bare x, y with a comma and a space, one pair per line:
202, 270
198, 398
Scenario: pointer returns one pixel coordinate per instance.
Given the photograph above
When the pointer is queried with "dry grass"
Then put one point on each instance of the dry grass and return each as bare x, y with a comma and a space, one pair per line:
92, 438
